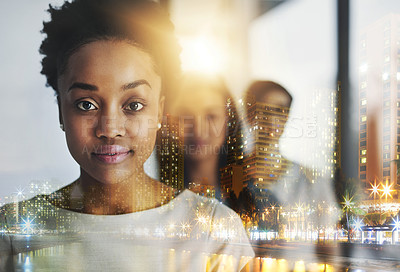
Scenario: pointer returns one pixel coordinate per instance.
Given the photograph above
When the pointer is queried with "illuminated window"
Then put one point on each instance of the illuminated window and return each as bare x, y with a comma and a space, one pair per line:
363, 152
363, 160
386, 147
364, 118
364, 102
385, 76
363, 68
363, 85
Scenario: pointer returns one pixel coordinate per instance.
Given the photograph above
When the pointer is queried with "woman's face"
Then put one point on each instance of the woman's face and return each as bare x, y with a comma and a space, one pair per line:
110, 106
203, 117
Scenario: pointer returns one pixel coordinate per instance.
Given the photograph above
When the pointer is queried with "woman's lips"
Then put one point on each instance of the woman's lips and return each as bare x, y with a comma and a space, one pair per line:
111, 153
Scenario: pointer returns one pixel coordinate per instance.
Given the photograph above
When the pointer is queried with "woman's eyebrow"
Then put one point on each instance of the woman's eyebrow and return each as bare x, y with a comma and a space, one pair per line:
90, 87
134, 84
83, 86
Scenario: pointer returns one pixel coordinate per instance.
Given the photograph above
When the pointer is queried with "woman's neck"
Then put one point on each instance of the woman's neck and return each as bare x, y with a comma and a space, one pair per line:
140, 193
203, 172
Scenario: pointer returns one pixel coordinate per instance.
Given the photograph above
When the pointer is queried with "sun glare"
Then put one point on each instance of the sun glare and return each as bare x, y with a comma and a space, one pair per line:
202, 54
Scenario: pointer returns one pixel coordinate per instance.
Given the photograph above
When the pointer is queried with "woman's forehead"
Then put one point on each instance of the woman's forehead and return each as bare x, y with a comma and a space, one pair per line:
110, 64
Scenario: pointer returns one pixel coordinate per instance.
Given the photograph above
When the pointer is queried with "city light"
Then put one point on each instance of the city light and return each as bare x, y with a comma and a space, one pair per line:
363, 68
396, 223
171, 226
184, 226
27, 225
299, 207
20, 192
358, 224
387, 190
347, 202
374, 189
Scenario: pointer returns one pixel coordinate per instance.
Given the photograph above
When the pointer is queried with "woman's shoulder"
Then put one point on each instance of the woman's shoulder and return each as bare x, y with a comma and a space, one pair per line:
13, 213
210, 206
38, 201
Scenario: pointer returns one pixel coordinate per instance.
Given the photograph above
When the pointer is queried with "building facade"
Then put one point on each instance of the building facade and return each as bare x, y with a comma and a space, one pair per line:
262, 163
379, 101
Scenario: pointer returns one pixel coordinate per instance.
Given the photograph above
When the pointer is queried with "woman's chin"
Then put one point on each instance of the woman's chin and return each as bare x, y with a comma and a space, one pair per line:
200, 157
109, 178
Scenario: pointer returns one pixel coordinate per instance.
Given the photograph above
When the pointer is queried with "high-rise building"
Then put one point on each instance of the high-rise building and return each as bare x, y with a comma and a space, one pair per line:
231, 175
379, 101
263, 164
171, 153
231, 180
321, 127
234, 140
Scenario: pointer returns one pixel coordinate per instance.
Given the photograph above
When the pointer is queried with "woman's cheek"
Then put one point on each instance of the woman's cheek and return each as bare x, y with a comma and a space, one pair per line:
133, 126
217, 128
142, 127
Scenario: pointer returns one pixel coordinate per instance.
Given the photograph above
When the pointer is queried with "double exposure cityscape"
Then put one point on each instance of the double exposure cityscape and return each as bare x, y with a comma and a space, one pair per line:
301, 213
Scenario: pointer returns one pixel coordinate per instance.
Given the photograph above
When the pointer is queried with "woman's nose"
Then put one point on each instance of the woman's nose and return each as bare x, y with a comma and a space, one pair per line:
111, 124
200, 127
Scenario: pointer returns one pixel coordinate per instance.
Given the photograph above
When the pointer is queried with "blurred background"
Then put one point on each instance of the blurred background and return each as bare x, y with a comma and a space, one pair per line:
294, 43
339, 60
290, 42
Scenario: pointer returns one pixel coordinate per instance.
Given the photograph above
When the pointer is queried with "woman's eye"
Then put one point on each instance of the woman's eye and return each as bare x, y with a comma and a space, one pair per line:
86, 106
134, 106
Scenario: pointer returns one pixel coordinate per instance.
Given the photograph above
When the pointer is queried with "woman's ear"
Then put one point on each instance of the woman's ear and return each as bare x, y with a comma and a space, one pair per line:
60, 118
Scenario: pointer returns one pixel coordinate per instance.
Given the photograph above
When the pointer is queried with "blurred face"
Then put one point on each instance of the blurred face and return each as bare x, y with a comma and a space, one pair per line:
110, 105
281, 101
203, 116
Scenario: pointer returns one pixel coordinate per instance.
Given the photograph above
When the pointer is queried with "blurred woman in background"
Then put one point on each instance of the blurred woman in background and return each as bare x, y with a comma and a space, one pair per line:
209, 121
